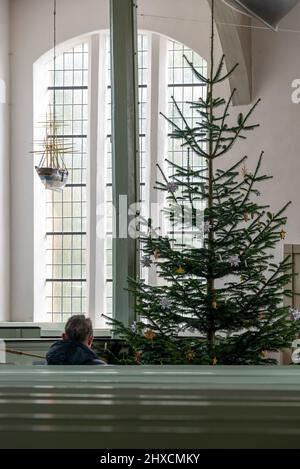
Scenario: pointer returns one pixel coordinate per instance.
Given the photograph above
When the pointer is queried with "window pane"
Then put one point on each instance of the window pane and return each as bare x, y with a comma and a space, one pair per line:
183, 87
143, 77
66, 212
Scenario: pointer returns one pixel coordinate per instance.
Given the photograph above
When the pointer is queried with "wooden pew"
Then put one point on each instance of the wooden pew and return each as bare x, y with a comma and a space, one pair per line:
149, 407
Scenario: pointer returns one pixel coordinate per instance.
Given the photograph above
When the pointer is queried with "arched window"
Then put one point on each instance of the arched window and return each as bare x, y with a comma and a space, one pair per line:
73, 246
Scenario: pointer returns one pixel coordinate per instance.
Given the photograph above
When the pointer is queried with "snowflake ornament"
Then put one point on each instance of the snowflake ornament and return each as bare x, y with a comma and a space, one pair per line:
207, 227
165, 303
295, 313
146, 261
234, 261
172, 187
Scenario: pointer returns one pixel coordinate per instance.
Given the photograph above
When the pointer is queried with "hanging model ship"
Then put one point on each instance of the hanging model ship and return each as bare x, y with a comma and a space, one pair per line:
52, 169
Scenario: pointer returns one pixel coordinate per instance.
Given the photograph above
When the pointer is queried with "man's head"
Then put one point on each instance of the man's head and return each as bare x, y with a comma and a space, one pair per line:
79, 329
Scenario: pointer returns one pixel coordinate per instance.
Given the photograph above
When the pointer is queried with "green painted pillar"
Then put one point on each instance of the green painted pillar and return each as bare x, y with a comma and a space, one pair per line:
125, 154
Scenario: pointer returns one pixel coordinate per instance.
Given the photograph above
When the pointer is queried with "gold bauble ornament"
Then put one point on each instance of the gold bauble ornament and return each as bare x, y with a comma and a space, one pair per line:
244, 171
156, 254
190, 355
180, 270
138, 356
214, 304
261, 315
149, 334
283, 234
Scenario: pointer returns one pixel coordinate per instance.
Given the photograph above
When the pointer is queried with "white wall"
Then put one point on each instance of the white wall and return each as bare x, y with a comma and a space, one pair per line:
276, 63
31, 33
4, 160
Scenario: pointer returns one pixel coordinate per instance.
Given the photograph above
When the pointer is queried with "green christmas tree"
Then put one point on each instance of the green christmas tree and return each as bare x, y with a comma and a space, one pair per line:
220, 300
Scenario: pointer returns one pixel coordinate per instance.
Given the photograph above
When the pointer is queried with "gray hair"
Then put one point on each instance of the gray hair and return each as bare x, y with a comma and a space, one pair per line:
78, 328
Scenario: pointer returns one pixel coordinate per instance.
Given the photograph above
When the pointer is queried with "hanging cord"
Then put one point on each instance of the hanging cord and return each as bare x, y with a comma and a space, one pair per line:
221, 23
51, 125
18, 352
54, 154
54, 67
54, 90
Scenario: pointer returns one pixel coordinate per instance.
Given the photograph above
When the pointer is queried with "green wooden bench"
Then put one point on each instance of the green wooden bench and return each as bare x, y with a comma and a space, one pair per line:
149, 407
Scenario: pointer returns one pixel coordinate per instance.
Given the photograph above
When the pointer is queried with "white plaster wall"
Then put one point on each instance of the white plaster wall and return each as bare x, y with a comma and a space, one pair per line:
31, 33
4, 160
276, 63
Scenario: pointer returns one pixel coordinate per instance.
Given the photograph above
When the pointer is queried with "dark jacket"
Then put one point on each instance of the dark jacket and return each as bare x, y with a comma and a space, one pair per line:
67, 352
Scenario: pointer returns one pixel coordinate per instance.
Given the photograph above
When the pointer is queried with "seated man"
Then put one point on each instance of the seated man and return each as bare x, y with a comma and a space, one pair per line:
75, 346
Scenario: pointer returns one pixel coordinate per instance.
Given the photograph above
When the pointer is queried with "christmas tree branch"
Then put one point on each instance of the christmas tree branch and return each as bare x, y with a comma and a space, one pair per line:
239, 129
